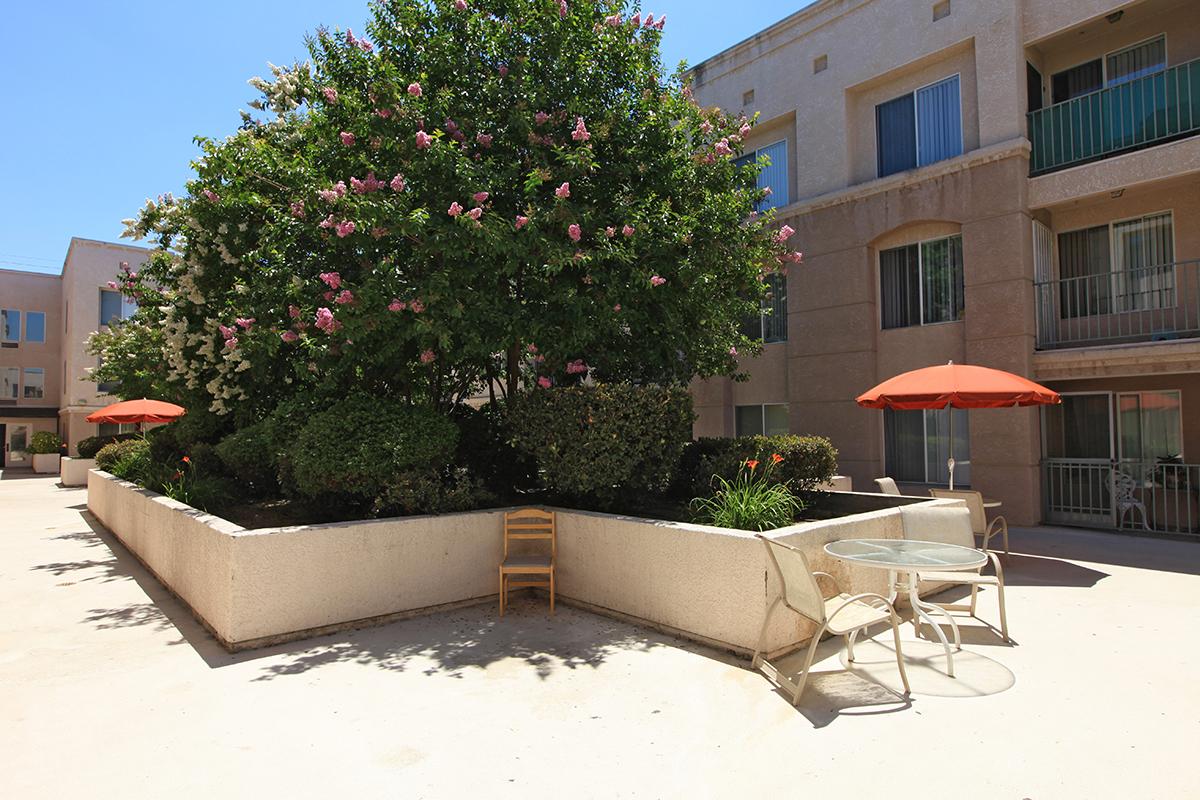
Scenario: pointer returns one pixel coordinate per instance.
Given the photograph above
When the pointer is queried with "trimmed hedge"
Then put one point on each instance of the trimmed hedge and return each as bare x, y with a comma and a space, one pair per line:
44, 443
252, 456
601, 441
486, 451
355, 446
129, 460
807, 461
89, 447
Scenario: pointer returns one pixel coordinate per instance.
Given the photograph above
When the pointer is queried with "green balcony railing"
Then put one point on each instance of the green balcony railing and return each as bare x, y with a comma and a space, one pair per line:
1129, 116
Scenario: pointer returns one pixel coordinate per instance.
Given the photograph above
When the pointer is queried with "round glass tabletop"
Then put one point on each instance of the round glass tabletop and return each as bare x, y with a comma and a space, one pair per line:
906, 554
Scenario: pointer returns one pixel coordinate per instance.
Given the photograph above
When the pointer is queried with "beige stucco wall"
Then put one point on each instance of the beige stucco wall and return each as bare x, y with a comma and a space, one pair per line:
253, 587
1179, 20
89, 266
25, 292
75, 471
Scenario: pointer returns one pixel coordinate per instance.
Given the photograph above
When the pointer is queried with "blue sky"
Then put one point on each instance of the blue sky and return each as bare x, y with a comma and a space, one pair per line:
103, 99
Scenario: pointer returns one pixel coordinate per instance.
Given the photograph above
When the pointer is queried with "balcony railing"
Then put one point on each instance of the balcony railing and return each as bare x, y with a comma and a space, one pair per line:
1129, 116
1160, 496
1147, 304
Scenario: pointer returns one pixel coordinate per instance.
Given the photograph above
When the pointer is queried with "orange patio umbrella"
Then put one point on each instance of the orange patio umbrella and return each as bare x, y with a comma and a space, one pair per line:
957, 386
138, 411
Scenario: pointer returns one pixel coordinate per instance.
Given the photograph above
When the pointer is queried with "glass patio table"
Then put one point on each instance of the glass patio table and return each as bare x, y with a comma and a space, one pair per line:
908, 557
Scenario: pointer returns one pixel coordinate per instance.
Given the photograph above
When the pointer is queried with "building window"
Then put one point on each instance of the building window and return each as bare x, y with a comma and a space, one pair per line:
9, 376
1121, 66
1151, 425
761, 420
1121, 267
35, 383
771, 325
115, 307
919, 128
1078, 427
820, 63
917, 444
748, 97
774, 175
941, 10
35, 326
112, 428
10, 325
921, 284
1136, 62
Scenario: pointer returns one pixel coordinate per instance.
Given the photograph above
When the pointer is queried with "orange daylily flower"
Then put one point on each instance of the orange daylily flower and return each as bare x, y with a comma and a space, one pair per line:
752, 463
187, 460
776, 458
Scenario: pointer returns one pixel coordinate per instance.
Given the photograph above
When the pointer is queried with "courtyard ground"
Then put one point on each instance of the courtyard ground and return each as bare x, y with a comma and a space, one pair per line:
109, 688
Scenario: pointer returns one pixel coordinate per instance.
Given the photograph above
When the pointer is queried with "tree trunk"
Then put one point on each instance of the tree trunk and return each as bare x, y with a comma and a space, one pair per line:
513, 368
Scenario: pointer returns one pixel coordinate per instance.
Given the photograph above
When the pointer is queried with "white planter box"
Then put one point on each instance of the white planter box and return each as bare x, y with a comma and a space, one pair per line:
45, 463
74, 471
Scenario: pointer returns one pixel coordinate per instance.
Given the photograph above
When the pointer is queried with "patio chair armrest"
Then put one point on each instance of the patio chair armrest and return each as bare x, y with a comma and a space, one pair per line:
879, 599
997, 520
996, 563
836, 589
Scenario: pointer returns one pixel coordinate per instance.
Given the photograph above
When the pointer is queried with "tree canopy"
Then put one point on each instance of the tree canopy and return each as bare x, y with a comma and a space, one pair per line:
473, 192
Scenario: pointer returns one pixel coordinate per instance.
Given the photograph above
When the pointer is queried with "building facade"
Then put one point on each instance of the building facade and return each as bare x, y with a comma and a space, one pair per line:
45, 322
1014, 184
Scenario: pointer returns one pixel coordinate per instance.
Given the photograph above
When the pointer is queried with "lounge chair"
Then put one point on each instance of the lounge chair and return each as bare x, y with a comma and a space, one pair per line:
887, 486
835, 611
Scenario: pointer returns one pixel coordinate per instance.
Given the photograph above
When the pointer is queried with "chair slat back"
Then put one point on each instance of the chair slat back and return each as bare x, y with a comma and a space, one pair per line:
974, 502
524, 524
944, 524
887, 486
801, 593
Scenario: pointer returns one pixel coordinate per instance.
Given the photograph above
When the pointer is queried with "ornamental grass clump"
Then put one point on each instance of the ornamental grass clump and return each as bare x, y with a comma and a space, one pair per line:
751, 501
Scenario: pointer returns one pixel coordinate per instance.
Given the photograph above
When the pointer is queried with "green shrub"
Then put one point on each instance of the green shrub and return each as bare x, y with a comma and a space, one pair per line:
355, 446
427, 492
601, 441
486, 451
43, 443
129, 460
755, 500
251, 455
807, 460
89, 447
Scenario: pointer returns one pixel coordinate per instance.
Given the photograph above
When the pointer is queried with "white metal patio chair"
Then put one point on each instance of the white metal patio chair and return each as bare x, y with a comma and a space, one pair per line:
953, 526
887, 486
1123, 487
980, 524
837, 612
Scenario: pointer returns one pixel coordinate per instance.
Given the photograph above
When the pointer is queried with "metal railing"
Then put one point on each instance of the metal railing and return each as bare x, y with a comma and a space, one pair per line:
1149, 496
1140, 113
1146, 304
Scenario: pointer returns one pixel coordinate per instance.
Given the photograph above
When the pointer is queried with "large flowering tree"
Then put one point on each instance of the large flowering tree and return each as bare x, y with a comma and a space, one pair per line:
476, 193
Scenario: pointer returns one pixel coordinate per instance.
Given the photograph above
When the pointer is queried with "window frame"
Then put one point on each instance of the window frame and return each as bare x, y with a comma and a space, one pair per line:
1118, 429
925, 447
1112, 427
917, 126
16, 384
25, 372
1104, 76
1114, 290
3, 326
762, 415
753, 158
920, 283
28, 340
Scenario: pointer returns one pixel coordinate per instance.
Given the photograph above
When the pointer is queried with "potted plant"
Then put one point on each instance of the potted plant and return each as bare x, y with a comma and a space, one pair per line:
44, 447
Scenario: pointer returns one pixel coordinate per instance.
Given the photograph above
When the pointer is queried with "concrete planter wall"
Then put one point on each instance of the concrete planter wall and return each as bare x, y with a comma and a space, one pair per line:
74, 471
45, 463
256, 587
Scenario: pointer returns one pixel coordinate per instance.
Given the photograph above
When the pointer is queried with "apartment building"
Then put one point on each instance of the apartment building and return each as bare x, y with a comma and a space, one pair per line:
45, 321
1012, 183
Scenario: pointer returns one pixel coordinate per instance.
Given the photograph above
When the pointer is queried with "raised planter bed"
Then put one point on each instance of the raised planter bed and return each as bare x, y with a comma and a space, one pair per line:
45, 463
257, 587
74, 471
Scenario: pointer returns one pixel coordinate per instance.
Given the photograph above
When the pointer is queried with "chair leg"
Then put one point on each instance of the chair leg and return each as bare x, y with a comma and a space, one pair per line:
899, 653
808, 659
1003, 613
502, 598
551, 591
850, 646
757, 659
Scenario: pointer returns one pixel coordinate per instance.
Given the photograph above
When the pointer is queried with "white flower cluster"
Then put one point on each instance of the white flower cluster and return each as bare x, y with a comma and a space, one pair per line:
286, 92
156, 216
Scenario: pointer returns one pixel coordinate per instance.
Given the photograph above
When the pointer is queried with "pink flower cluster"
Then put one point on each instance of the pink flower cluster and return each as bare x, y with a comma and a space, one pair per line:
210, 196
245, 322
326, 322
367, 185
562, 8
298, 209
362, 44
330, 93
331, 279
522, 221
427, 356
344, 298
289, 336
544, 382
347, 138
331, 195
484, 139
416, 306
461, 5
784, 234
563, 192
580, 134
455, 209
397, 183
423, 140
657, 280
345, 228
574, 232
414, 89
541, 118
576, 367
722, 148
628, 231
230, 336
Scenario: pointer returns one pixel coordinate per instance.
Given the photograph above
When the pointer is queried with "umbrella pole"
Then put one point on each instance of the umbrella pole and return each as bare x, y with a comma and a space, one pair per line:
950, 460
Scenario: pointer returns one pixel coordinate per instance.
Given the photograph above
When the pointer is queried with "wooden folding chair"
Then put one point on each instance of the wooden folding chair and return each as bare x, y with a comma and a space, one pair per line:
526, 524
